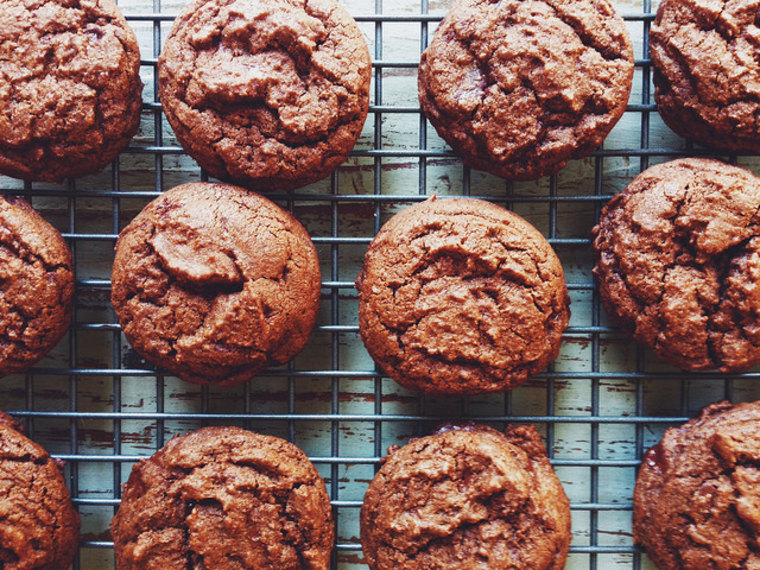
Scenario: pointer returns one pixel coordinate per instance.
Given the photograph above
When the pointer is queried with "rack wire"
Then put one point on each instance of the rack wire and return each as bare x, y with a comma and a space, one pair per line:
95, 404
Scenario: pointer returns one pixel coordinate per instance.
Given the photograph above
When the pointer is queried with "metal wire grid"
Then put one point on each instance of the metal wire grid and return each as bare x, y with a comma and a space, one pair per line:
96, 405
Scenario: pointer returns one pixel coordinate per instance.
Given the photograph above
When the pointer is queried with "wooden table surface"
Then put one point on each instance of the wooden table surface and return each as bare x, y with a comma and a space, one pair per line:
99, 406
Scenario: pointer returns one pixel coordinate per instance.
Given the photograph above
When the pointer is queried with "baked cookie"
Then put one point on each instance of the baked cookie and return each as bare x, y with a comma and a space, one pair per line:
39, 527
460, 296
697, 498
271, 94
678, 259
36, 286
519, 87
70, 89
224, 497
215, 283
707, 71
467, 497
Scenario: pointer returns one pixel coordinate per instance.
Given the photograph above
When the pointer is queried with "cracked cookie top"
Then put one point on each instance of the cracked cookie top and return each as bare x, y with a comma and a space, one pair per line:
39, 527
677, 255
36, 286
474, 498
271, 94
70, 90
460, 296
224, 497
215, 283
697, 498
519, 87
707, 71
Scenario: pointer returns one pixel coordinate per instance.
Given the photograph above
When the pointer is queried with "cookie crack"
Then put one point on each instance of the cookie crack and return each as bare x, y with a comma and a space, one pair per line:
586, 37
29, 256
26, 458
307, 74
714, 25
549, 120
671, 53
296, 542
431, 542
674, 541
280, 496
480, 278
171, 283
30, 489
717, 306
19, 315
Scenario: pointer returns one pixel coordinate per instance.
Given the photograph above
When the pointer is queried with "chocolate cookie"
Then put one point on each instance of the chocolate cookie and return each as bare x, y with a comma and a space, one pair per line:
215, 283
268, 93
224, 497
678, 259
459, 296
519, 87
697, 498
70, 90
36, 286
707, 72
39, 527
467, 497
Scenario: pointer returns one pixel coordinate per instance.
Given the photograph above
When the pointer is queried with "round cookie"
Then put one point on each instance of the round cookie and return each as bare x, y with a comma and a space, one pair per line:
460, 296
39, 527
70, 89
36, 286
697, 498
707, 72
467, 497
519, 87
224, 497
677, 256
271, 94
215, 283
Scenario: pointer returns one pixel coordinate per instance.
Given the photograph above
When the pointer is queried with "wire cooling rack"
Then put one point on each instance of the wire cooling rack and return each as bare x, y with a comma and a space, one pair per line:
94, 403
